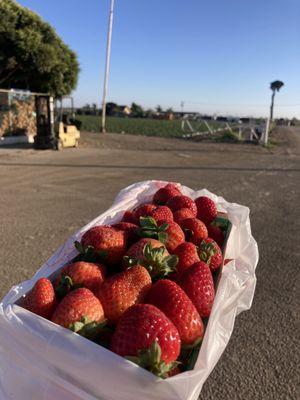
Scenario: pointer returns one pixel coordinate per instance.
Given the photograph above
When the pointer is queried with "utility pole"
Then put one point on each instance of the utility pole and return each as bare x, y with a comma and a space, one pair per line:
106, 76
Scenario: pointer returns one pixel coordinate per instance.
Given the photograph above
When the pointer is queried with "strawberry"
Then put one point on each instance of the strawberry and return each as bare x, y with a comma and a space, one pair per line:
79, 274
166, 193
105, 242
197, 282
147, 337
206, 209
178, 202
129, 217
152, 255
122, 290
194, 230
169, 233
137, 249
130, 229
41, 299
79, 306
175, 236
143, 211
181, 214
175, 304
187, 256
162, 213
216, 234
210, 253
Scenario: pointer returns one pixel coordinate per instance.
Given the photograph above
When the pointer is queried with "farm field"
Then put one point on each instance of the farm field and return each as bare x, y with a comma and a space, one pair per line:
138, 126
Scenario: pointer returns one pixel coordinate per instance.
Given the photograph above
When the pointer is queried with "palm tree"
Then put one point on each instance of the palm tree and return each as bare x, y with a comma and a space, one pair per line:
275, 87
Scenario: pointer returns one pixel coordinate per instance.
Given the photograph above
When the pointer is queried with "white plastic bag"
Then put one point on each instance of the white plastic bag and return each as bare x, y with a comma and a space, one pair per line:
40, 360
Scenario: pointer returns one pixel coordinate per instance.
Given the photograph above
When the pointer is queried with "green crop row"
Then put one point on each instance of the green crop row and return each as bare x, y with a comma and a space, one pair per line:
136, 126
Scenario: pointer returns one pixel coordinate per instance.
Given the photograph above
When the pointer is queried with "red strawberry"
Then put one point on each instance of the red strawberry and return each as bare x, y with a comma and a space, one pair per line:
165, 193
169, 233
162, 213
78, 305
197, 282
178, 202
182, 214
175, 236
206, 209
175, 304
210, 253
194, 230
129, 217
146, 336
122, 290
107, 242
130, 229
152, 255
216, 234
143, 211
78, 274
137, 249
187, 256
41, 299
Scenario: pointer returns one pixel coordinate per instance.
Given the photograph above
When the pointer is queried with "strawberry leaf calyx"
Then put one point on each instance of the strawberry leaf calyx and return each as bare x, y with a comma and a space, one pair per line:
87, 328
206, 251
150, 359
89, 253
64, 286
157, 264
150, 229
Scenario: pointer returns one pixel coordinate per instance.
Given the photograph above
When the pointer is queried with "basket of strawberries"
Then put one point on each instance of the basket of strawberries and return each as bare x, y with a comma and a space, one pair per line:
140, 303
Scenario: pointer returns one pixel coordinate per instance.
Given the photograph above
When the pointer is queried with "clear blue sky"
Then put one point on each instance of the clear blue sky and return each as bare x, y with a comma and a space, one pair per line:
216, 55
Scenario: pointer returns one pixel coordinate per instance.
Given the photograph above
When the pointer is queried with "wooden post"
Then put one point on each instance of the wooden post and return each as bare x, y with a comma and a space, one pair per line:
240, 133
266, 133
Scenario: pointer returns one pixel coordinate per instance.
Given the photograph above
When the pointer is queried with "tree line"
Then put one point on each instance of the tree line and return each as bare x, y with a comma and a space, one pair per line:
113, 109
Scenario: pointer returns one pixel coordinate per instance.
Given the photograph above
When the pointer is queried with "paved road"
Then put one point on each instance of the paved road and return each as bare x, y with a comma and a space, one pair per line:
46, 196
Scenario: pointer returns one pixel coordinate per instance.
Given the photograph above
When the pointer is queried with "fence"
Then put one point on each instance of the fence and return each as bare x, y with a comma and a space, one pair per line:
239, 130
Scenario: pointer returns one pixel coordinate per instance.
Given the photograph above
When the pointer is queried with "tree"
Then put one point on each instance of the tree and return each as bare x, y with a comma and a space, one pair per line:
169, 110
158, 109
149, 113
275, 87
137, 110
32, 56
111, 108
94, 107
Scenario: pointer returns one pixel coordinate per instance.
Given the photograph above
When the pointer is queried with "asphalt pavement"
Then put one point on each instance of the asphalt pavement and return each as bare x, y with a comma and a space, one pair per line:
45, 196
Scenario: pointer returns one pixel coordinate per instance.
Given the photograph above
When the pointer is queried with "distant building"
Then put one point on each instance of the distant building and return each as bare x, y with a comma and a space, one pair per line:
245, 120
221, 119
169, 116
125, 110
